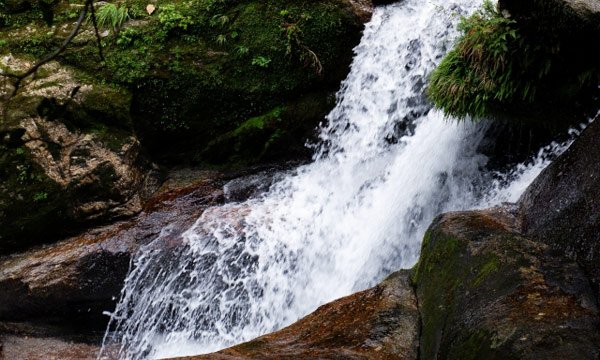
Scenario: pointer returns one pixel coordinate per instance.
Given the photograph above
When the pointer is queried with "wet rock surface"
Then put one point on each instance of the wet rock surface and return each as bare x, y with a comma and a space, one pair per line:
251, 186
487, 292
561, 208
378, 323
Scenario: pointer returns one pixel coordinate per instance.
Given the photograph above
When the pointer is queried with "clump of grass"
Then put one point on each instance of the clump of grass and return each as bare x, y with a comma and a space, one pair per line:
112, 16
491, 65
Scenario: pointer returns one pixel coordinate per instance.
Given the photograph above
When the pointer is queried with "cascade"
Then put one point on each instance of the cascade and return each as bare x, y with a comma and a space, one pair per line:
384, 166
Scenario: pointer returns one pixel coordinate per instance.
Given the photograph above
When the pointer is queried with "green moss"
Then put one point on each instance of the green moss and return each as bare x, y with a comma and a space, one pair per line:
489, 267
465, 263
440, 267
478, 346
259, 122
249, 141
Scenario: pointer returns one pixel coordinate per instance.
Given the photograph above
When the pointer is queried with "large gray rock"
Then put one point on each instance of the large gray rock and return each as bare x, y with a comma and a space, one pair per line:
562, 206
487, 292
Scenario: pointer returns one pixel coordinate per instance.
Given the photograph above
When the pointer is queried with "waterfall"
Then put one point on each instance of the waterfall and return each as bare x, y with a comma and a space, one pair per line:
386, 164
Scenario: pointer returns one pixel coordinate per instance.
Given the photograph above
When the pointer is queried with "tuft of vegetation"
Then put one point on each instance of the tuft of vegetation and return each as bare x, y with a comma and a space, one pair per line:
112, 16
490, 65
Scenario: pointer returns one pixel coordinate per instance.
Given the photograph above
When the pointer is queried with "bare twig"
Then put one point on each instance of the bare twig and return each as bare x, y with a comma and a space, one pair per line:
95, 23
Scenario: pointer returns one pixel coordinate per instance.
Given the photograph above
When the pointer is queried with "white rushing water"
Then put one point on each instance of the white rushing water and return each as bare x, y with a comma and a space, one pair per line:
384, 168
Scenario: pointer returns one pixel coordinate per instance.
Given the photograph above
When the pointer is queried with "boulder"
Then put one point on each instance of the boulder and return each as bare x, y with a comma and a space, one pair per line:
570, 31
378, 323
487, 292
561, 207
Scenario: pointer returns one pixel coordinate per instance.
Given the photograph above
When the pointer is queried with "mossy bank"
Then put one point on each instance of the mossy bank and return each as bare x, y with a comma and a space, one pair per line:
198, 71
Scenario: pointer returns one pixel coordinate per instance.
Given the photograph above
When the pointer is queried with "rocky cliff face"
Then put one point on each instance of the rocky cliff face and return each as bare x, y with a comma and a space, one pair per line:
214, 81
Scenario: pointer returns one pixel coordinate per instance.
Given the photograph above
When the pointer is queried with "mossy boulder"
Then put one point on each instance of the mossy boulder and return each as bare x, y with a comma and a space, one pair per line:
261, 57
487, 292
68, 157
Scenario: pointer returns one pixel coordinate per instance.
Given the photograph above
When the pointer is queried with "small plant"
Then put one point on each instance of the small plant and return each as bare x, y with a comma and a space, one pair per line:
112, 16
171, 19
126, 37
241, 50
40, 196
294, 42
221, 39
219, 20
261, 61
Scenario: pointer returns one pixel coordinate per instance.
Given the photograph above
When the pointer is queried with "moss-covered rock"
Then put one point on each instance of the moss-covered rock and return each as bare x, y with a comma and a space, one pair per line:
486, 292
68, 157
257, 57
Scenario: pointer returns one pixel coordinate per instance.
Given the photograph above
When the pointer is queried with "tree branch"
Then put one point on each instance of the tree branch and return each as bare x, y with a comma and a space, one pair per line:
89, 4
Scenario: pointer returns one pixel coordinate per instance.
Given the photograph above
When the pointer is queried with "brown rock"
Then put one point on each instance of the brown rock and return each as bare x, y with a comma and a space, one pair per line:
70, 159
31, 348
379, 323
362, 8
